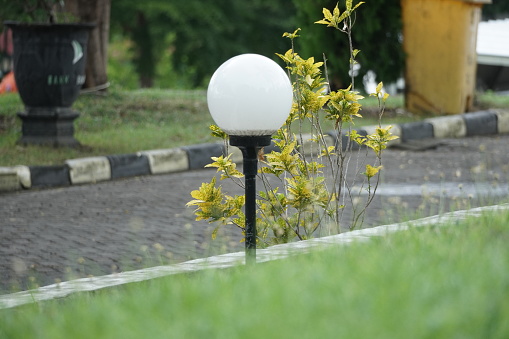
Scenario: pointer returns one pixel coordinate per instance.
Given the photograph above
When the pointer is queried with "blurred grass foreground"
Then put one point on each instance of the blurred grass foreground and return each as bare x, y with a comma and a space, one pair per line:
430, 282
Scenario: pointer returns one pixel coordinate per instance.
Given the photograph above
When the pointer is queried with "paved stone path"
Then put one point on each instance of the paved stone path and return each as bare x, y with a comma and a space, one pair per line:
57, 234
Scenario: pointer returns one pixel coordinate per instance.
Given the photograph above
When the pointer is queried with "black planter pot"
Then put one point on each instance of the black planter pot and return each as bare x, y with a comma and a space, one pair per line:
49, 68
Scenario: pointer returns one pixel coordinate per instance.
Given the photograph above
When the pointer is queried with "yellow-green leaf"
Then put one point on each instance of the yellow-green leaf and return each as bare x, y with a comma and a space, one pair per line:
327, 14
218, 132
336, 11
348, 5
323, 22
372, 171
292, 35
214, 233
355, 7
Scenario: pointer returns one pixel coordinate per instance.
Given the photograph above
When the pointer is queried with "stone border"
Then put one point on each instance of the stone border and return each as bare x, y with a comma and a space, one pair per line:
94, 169
276, 252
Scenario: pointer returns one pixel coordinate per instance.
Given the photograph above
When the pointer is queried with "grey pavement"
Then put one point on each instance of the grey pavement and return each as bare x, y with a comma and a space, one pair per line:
61, 233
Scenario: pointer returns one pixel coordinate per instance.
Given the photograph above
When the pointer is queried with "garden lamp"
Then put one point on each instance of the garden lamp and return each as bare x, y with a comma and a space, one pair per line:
250, 97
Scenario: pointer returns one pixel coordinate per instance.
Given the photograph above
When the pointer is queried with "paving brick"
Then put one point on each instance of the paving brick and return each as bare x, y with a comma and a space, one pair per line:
109, 222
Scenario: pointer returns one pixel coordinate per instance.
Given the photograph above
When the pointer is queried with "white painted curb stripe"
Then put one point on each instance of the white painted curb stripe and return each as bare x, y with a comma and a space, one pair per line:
449, 126
9, 180
167, 160
89, 170
502, 121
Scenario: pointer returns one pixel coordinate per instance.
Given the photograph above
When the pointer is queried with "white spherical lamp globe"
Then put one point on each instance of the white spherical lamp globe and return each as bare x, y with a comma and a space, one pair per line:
249, 95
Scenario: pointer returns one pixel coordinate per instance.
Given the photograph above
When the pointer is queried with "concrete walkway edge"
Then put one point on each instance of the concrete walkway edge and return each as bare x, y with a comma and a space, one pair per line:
276, 252
94, 169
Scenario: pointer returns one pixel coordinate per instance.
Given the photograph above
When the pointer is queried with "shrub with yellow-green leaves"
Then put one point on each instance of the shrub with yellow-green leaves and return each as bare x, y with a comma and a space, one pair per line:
298, 199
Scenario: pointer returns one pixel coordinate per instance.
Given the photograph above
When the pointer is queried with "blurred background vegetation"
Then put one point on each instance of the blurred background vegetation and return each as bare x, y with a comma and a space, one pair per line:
179, 43
174, 46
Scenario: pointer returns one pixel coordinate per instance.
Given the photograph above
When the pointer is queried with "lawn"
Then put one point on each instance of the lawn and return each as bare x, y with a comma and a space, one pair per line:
431, 282
117, 123
128, 121
124, 121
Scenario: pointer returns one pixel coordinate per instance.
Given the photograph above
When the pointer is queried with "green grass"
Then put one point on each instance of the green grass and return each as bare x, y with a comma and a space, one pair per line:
492, 100
121, 122
130, 121
127, 122
448, 282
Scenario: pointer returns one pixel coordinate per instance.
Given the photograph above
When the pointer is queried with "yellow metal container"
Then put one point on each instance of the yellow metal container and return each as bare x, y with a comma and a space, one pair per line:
439, 39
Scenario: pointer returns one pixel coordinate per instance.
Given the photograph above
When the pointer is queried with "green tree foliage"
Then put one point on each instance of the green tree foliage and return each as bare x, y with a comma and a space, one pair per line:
497, 9
376, 33
203, 34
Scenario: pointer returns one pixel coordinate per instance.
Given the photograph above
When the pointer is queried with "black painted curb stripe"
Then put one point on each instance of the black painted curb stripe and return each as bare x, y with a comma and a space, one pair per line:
481, 123
49, 176
199, 155
416, 130
128, 165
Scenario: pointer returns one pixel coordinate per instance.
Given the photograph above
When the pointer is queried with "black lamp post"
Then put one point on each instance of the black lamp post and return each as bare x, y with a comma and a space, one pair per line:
250, 97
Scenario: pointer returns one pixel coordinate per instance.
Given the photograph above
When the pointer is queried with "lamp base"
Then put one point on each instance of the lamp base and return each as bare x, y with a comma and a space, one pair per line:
250, 140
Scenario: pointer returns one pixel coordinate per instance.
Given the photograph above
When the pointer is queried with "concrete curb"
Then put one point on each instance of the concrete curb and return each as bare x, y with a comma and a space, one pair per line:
94, 169
276, 252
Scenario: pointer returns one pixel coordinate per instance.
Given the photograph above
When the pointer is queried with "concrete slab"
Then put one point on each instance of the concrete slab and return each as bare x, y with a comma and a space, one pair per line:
448, 126
9, 179
23, 176
89, 170
167, 160
502, 121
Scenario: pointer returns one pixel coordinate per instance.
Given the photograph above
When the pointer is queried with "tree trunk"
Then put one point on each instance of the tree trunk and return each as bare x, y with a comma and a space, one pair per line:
97, 11
144, 59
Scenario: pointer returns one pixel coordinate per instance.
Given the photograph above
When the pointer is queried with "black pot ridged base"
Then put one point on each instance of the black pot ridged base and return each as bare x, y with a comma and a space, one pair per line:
48, 127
